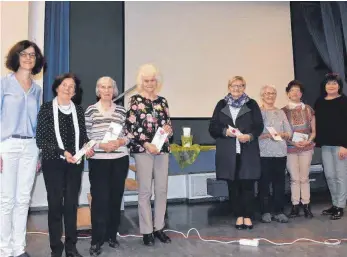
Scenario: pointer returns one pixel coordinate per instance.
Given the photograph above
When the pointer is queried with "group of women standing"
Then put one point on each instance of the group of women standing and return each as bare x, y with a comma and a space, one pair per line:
247, 151
258, 143
59, 129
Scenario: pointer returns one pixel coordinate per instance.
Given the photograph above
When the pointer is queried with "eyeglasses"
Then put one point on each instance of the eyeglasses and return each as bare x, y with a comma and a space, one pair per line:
236, 86
270, 93
26, 55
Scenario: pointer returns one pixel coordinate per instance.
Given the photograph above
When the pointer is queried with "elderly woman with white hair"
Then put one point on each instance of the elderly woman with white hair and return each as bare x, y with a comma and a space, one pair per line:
108, 168
273, 156
147, 113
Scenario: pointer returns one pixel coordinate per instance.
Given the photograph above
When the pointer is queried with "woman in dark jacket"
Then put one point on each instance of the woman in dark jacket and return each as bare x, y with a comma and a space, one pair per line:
236, 125
60, 134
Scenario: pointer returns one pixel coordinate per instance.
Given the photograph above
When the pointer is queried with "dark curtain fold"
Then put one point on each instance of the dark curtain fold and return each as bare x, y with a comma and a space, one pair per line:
333, 36
57, 41
327, 25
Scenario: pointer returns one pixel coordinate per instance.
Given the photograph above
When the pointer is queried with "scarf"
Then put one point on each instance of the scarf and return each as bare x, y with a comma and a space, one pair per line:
292, 105
236, 103
75, 124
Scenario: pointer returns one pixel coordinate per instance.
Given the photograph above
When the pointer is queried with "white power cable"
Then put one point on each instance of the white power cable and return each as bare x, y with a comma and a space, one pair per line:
249, 241
202, 239
325, 242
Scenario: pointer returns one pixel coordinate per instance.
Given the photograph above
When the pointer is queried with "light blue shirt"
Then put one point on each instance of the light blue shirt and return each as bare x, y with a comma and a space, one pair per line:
19, 109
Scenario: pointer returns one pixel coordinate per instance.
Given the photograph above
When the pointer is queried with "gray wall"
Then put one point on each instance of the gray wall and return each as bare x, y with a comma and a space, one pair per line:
96, 44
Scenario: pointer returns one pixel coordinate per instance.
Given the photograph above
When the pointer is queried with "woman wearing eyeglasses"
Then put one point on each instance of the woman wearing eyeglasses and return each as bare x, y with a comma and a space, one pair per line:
302, 121
273, 152
236, 125
19, 105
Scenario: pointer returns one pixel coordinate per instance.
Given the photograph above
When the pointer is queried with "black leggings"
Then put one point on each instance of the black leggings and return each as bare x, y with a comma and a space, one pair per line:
107, 179
241, 194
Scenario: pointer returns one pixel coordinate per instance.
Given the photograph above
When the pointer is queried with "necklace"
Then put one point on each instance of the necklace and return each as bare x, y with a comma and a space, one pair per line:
65, 107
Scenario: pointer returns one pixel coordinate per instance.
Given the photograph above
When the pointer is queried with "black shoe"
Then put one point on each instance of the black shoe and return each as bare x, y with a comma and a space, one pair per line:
245, 226
73, 253
337, 215
113, 243
295, 211
57, 251
307, 211
53, 254
329, 211
148, 239
95, 250
240, 226
57, 254
160, 234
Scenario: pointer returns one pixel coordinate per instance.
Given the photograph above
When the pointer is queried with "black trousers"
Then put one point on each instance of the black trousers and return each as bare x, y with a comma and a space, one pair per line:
107, 179
63, 183
241, 193
272, 172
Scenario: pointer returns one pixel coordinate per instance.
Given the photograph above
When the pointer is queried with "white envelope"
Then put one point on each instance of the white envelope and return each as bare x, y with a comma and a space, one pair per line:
274, 134
78, 156
298, 137
235, 131
159, 138
112, 133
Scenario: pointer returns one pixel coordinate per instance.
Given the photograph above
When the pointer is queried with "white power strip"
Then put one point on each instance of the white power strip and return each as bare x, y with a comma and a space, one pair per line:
249, 242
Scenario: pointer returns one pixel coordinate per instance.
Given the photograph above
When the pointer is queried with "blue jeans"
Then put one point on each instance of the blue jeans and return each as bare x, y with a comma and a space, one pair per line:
336, 175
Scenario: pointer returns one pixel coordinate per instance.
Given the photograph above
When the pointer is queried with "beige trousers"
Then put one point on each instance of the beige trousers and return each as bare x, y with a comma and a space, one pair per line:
298, 165
149, 169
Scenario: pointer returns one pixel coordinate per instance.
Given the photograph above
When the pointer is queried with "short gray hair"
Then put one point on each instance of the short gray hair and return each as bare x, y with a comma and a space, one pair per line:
106, 80
263, 88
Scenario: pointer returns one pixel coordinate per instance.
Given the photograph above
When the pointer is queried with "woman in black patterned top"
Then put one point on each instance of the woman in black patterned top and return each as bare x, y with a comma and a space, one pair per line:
144, 118
147, 113
61, 132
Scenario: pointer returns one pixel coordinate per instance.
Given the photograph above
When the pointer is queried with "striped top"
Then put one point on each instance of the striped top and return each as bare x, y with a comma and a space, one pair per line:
97, 124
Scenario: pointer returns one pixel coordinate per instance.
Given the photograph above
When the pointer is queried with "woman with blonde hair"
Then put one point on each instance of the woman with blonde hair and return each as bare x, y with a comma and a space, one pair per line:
273, 156
147, 113
236, 125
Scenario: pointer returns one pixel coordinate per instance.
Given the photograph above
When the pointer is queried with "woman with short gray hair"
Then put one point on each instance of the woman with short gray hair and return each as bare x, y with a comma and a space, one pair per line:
108, 168
273, 156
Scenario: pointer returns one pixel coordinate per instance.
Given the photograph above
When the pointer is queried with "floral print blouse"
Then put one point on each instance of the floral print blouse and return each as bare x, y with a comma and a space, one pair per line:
144, 117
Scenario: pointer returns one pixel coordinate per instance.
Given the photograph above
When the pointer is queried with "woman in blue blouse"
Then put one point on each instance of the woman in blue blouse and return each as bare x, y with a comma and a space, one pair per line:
19, 105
